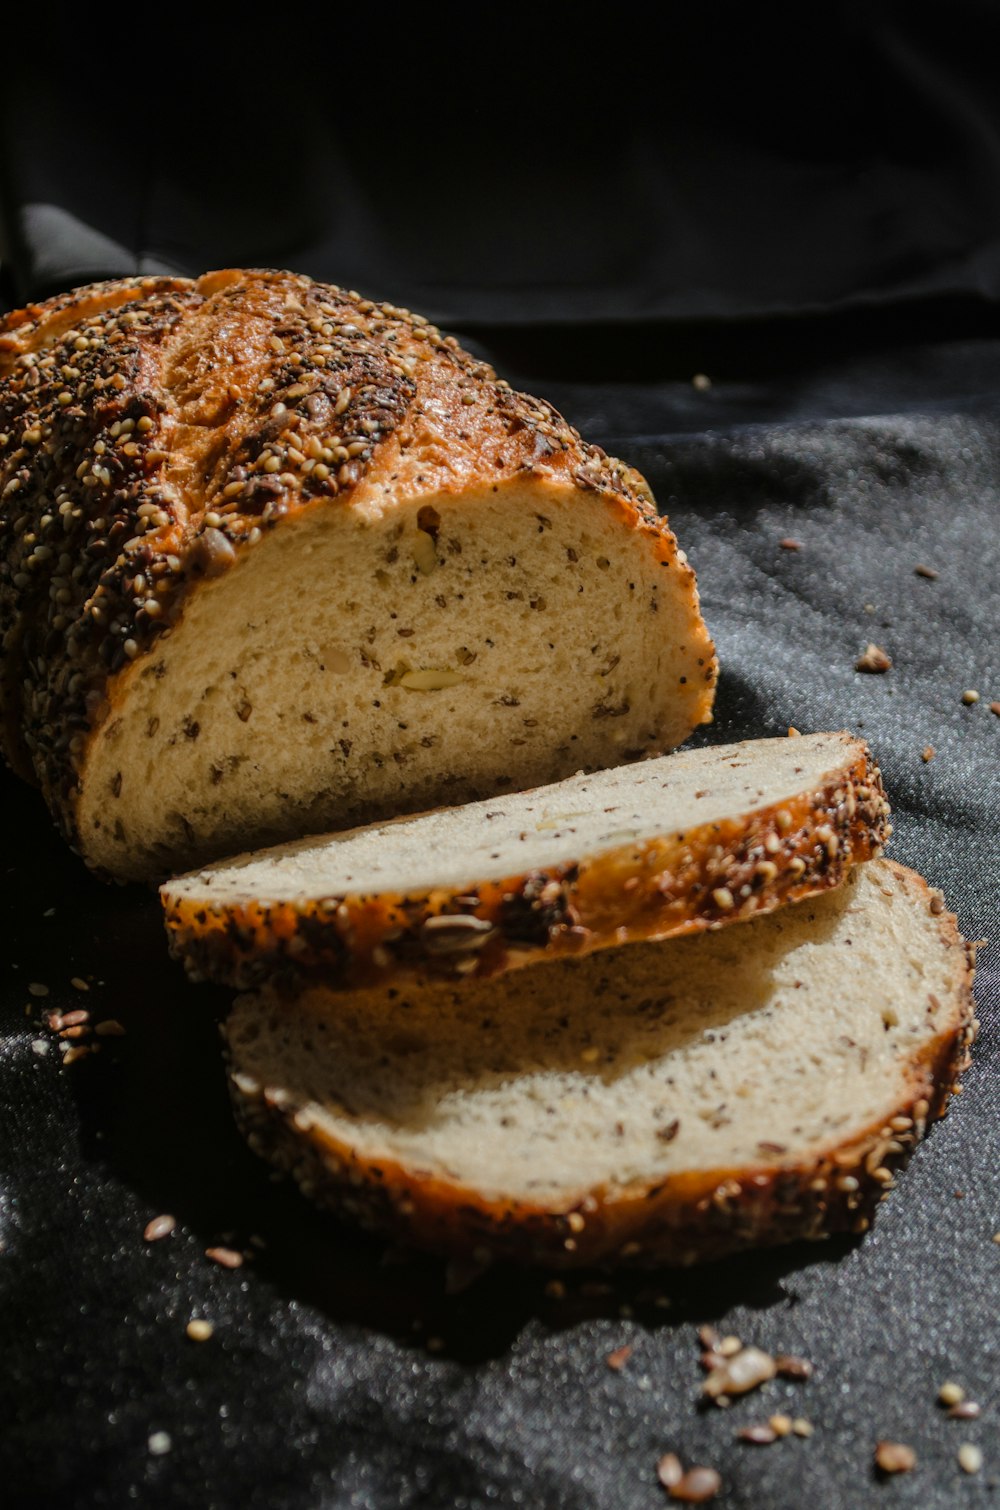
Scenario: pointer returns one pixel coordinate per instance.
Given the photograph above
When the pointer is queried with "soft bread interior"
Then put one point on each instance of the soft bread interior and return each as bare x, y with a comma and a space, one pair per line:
363, 659
569, 821
755, 1047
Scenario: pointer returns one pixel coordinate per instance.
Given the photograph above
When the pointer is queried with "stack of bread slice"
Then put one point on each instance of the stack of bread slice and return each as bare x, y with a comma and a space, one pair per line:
651, 1015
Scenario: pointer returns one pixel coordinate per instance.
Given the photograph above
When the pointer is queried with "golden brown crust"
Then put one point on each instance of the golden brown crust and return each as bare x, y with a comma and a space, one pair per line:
152, 429
683, 1220
709, 876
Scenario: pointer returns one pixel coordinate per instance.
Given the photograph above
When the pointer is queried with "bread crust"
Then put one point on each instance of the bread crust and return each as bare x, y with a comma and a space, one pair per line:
682, 1220
706, 877
153, 430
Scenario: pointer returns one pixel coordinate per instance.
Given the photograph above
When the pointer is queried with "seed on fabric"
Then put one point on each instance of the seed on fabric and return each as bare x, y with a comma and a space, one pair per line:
198, 1330
951, 1393
160, 1226
970, 1458
226, 1258
894, 1457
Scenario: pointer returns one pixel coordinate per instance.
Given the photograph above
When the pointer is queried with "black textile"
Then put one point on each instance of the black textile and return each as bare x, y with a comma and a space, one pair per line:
870, 437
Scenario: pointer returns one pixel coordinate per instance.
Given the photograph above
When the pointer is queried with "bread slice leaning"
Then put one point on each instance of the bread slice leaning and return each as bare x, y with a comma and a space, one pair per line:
665, 847
657, 1104
276, 558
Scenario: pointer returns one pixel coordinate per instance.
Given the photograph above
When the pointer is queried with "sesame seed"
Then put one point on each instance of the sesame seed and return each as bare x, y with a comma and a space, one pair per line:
159, 1443
159, 1227
970, 696
925, 571
801, 1427
723, 898
970, 1458
951, 1394
701, 382
198, 1330
109, 1027
927, 754
894, 1457
227, 1258
35, 988
78, 983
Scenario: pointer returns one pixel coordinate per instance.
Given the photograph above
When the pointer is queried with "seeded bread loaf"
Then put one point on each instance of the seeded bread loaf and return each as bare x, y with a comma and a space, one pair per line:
656, 1104
670, 846
274, 558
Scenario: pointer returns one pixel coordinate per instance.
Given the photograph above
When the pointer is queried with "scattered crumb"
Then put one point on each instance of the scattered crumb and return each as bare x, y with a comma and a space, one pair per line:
927, 754
970, 1458
739, 1372
788, 544
198, 1330
435, 1344
894, 1457
160, 1226
926, 571
969, 696
229, 1258
40, 1045
874, 660
793, 732
701, 382
555, 1289
618, 1359
159, 1443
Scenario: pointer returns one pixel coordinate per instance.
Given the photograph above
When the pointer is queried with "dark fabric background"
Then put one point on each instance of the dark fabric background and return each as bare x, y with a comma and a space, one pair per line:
808, 214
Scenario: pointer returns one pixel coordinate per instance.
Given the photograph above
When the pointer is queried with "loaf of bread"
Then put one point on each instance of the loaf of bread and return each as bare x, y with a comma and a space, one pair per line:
274, 558
656, 1104
663, 847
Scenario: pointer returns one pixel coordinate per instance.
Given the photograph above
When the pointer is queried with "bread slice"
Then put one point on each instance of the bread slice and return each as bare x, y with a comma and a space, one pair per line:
275, 558
668, 846
656, 1104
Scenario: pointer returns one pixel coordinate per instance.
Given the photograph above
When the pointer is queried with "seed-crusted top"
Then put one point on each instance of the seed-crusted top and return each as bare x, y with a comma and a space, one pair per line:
151, 429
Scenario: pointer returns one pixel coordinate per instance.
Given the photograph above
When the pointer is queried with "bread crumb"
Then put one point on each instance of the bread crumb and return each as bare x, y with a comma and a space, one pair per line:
873, 660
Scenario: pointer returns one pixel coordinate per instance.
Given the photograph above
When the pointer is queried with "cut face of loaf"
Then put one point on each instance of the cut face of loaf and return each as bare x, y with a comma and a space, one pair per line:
660, 1103
670, 846
274, 558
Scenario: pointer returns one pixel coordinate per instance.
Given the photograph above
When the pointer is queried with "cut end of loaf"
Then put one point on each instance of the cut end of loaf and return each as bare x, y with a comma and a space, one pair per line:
651, 1105
380, 657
